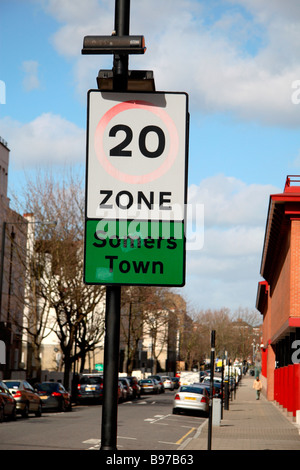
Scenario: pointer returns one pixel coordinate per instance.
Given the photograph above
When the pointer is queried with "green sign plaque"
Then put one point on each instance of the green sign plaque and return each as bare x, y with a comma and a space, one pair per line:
134, 253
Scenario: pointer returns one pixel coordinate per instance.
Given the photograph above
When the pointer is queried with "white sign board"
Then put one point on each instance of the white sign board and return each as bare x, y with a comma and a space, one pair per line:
136, 155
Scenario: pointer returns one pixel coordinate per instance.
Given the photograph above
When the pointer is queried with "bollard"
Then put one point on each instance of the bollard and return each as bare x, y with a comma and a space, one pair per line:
216, 417
226, 401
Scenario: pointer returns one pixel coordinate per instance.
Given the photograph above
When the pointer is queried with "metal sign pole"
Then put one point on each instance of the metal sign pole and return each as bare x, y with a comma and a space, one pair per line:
113, 293
212, 365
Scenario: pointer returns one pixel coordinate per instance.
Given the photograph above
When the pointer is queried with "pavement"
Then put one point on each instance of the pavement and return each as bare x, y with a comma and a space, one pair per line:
249, 424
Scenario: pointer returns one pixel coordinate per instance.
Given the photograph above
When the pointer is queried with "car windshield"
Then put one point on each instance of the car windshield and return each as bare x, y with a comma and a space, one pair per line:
47, 387
146, 382
90, 380
191, 389
12, 384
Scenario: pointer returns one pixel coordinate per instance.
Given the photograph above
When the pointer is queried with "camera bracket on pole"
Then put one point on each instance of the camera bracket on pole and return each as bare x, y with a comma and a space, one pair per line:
114, 45
137, 80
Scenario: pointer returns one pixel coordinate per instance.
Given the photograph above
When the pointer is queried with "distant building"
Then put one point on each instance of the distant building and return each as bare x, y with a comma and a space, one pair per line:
278, 298
13, 234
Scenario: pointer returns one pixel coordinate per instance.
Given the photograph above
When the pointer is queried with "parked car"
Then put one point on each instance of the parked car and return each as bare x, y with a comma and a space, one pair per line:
207, 386
203, 374
167, 381
133, 381
122, 392
216, 379
175, 381
218, 390
54, 396
159, 379
191, 398
127, 386
27, 400
90, 388
8, 406
148, 386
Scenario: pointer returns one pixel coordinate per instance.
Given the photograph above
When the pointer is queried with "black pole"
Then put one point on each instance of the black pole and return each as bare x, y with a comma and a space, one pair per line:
227, 387
212, 364
120, 68
113, 293
222, 390
111, 363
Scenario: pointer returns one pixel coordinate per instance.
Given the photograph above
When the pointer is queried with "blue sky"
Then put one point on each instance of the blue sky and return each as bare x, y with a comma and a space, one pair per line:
239, 62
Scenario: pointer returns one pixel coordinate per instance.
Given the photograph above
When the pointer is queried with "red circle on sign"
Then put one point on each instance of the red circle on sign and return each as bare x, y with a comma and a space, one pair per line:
111, 169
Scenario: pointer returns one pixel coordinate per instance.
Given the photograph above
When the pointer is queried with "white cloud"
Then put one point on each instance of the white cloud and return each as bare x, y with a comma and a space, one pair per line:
31, 80
229, 202
217, 66
47, 139
226, 270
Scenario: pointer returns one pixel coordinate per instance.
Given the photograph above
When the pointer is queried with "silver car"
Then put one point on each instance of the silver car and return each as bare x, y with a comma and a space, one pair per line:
26, 399
148, 386
168, 384
191, 398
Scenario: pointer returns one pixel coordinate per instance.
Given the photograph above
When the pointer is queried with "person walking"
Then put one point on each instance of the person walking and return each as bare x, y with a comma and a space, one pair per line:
257, 385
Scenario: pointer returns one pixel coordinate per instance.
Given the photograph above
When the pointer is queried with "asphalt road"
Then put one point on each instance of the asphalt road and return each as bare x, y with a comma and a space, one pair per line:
143, 424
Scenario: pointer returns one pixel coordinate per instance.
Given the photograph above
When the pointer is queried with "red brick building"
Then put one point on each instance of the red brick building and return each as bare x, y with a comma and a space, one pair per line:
278, 298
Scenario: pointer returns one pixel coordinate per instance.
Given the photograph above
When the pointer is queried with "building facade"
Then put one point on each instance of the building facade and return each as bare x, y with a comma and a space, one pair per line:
278, 298
12, 274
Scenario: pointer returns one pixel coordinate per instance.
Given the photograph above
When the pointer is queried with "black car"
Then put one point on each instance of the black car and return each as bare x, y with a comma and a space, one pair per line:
8, 406
54, 396
175, 381
133, 381
90, 388
128, 387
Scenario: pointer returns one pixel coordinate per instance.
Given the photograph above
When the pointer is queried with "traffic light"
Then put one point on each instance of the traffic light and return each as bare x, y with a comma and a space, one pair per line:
114, 45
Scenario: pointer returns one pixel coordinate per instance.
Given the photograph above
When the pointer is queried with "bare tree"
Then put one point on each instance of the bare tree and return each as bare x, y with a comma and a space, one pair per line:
146, 312
59, 277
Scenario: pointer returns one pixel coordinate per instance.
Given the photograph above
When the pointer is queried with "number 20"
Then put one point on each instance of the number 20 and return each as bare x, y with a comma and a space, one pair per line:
119, 150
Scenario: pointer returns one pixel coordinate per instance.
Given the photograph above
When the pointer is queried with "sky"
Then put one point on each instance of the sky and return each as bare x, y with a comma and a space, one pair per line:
238, 60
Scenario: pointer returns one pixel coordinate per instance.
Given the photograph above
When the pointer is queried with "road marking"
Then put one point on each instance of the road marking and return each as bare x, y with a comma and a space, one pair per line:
189, 432
91, 441
170, 443
95, 443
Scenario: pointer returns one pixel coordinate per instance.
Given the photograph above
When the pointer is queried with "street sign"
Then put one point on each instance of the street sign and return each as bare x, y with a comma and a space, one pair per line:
99, 367
136, 188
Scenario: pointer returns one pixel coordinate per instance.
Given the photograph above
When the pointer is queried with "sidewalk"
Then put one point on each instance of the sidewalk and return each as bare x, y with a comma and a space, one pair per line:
249, 424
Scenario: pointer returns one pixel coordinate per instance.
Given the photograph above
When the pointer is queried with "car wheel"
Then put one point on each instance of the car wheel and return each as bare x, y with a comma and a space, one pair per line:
14, 414
25, 412
175, 411
38, 413
1, 414
62, 406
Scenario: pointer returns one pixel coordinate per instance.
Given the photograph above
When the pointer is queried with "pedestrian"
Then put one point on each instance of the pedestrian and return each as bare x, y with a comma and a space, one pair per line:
257, 385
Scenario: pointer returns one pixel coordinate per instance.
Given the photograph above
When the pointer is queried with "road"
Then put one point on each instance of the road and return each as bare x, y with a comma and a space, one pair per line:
143, 424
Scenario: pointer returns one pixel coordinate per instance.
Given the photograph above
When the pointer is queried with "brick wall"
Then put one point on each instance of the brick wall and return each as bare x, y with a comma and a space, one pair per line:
295, 269
280, 288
